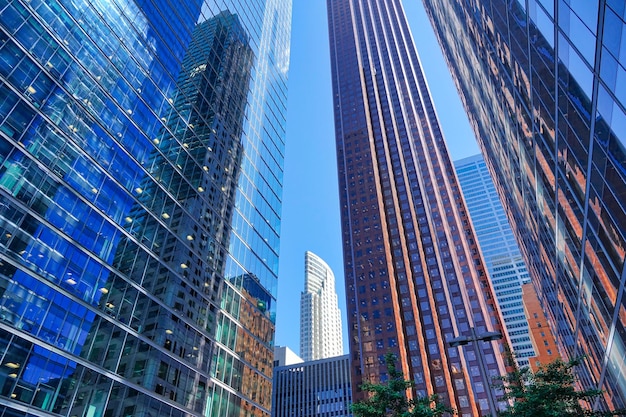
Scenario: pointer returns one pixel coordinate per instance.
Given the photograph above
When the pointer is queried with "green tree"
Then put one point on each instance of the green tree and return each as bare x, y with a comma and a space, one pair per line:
390, 400
549, 392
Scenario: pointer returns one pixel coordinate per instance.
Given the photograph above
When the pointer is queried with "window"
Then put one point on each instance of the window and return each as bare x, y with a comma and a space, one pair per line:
139, 368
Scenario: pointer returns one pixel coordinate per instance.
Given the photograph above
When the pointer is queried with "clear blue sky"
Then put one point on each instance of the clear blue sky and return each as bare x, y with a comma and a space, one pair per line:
310, 218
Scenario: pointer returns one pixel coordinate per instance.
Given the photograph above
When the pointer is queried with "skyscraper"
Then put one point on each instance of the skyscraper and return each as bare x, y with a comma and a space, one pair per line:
542, 82
320, 318
507, 270
139, 205
414, 276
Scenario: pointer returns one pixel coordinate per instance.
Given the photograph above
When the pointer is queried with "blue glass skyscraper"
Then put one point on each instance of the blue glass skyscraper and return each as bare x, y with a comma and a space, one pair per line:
141, 152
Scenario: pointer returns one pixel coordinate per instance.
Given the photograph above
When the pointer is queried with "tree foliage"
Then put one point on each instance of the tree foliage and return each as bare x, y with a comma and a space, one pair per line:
390, 400
549, 392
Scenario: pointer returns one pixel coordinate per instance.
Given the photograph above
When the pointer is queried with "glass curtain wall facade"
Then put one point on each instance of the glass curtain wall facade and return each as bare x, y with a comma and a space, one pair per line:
544, 342
414, 276
141, 155
542, 83
507, 270
320, 318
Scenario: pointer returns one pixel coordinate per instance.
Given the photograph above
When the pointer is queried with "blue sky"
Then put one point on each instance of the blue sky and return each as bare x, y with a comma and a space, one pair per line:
310, 217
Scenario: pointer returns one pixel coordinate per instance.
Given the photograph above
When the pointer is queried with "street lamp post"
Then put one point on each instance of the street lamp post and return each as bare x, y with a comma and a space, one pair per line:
484, 337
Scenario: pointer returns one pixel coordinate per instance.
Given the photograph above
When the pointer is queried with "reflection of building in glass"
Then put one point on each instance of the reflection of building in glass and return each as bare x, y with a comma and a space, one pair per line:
320, 317
320, 388
540, 333
414, 275
544, 96
504, 262
137, 177
203, 140
251, 340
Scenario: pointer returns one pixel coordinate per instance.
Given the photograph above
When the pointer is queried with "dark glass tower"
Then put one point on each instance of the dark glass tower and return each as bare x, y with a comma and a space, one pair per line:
543, 84
414, 276
140, 182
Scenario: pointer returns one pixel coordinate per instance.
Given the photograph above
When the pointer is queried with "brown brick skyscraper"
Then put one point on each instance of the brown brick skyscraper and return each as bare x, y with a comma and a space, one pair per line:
414, 276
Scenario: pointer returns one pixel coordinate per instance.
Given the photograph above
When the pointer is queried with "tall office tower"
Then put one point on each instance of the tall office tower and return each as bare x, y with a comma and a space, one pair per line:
542, 84
414, 275
320, 318
320, 388
140, 172
507, 270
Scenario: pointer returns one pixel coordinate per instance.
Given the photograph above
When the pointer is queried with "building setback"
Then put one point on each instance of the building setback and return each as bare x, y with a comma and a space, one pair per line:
320, 388
543, 89
284, 356
320, 318
139, 206
503, 259
414, 276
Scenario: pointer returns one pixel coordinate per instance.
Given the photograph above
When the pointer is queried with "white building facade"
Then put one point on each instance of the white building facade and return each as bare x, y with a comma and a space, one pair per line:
506, 267
283, 356
320, 317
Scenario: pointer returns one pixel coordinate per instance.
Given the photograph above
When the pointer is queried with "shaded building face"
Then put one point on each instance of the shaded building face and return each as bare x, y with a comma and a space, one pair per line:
414, 277
544, 96
133, 169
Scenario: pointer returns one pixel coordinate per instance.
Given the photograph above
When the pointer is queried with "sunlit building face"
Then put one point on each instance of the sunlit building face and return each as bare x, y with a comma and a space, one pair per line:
542, 84
414, 276
320, 318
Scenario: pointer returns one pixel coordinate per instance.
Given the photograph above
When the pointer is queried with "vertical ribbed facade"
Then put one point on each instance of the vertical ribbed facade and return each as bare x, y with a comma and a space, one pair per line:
320, 318
141, 155
320, 388
507, 270
414, 276
543, 84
